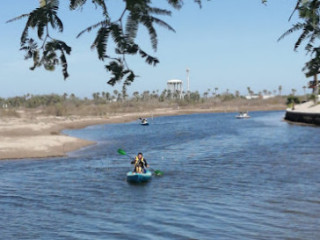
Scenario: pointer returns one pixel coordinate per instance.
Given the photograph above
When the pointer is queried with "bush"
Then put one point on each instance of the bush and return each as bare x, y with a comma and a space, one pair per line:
293, 99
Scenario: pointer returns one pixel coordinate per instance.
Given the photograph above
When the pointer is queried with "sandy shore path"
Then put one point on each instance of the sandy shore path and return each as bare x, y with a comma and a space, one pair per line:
40, 136
33, 136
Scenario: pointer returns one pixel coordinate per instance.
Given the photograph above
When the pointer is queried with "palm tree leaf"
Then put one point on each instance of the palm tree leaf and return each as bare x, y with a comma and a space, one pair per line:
148, 58
147, 22
18, 18
89, 29
132, 26
160, 11
41, 27
302, 37
177, 4
117, 35
163, 24
56, 21
102, 4
100, 42
295, 27
76, 3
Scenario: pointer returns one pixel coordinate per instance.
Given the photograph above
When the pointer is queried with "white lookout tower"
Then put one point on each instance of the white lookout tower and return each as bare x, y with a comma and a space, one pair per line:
175, 86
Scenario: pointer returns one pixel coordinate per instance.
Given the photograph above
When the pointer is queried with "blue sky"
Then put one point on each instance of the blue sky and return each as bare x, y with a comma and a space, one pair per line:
229, 44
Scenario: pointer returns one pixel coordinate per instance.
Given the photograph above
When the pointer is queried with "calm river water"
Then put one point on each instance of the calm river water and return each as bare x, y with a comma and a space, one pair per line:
223, 179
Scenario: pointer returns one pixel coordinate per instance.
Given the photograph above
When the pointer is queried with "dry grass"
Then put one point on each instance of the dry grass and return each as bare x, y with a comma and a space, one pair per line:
9, 113
115, 108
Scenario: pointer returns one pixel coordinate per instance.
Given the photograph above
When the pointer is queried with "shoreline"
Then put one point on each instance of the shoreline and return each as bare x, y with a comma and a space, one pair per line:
305, 114
41, 136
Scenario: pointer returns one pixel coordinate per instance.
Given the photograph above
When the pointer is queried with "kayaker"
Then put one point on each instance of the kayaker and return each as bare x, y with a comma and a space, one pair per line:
140, 163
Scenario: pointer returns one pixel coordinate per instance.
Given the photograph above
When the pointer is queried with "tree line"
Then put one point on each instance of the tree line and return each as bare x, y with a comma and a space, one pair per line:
105, 97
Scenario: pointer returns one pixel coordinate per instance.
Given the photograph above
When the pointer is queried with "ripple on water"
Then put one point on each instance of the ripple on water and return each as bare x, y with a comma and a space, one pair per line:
223, 179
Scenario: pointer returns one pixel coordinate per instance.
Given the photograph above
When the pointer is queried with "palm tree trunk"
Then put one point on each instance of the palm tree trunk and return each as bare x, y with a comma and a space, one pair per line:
316, 89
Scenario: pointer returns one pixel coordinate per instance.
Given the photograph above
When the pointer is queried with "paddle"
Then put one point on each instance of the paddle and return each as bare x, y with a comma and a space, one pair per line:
122, 152
156, 172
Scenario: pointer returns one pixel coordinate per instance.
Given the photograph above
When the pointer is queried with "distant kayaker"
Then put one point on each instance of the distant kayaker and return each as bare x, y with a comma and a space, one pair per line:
140, 163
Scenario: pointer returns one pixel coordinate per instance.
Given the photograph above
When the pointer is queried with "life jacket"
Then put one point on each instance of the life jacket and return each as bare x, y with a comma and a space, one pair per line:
137, 161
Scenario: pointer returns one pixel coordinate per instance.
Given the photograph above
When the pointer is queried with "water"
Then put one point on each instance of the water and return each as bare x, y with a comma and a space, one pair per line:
224, 179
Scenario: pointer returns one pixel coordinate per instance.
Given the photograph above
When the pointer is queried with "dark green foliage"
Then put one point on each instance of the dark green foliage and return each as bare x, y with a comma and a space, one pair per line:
292, 99
49, 52
310, 33
46, 53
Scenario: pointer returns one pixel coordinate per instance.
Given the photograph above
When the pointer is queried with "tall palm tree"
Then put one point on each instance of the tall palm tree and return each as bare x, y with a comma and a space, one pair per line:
215, 91
316, 88
280, 89
136, 95
249, 91
108, 96
304, 90
265, 91
115, 92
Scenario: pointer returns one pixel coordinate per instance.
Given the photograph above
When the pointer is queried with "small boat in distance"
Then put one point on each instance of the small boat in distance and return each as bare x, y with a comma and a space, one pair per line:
144, 121
243, 115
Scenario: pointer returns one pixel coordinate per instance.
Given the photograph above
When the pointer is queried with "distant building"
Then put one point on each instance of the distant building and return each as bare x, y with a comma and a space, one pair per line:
175, 86
250, 97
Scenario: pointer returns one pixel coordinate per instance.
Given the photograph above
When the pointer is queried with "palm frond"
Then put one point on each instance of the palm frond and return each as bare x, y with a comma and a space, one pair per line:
89, 29
295, 8
312, 67
102, 4
159, 11
163, 24
149, 59
18, 18
132, 26
100, 42
56, 22
177, 4
117, 35
40, 31
295, 27
116, 68
76, 4
302, 37
147, 22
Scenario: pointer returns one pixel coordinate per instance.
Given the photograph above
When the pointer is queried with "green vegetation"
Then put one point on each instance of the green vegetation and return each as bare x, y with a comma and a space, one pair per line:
293, 99
106, 103
308, 11
49, 52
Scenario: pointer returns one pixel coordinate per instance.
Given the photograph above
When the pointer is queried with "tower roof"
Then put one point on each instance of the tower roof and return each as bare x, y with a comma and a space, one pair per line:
175, 81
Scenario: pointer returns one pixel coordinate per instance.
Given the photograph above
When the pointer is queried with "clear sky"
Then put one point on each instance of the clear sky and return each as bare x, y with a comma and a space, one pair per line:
229, 44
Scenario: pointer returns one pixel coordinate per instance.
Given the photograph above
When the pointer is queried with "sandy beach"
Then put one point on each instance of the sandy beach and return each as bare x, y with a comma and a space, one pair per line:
37, 136
307, 107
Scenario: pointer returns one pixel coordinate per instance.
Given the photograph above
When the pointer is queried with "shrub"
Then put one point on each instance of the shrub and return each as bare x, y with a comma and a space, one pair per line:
293, 99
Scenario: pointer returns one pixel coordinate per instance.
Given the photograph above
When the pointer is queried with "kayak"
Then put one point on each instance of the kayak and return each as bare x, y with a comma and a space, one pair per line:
139, 177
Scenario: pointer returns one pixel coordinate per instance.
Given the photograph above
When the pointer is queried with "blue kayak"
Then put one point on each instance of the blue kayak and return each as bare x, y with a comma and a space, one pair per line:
139, 177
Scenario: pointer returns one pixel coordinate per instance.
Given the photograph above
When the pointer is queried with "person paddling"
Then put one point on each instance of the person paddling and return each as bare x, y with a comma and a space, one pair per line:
140, 163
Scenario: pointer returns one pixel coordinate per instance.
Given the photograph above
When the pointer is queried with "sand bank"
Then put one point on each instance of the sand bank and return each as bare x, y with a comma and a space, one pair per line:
33, 136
